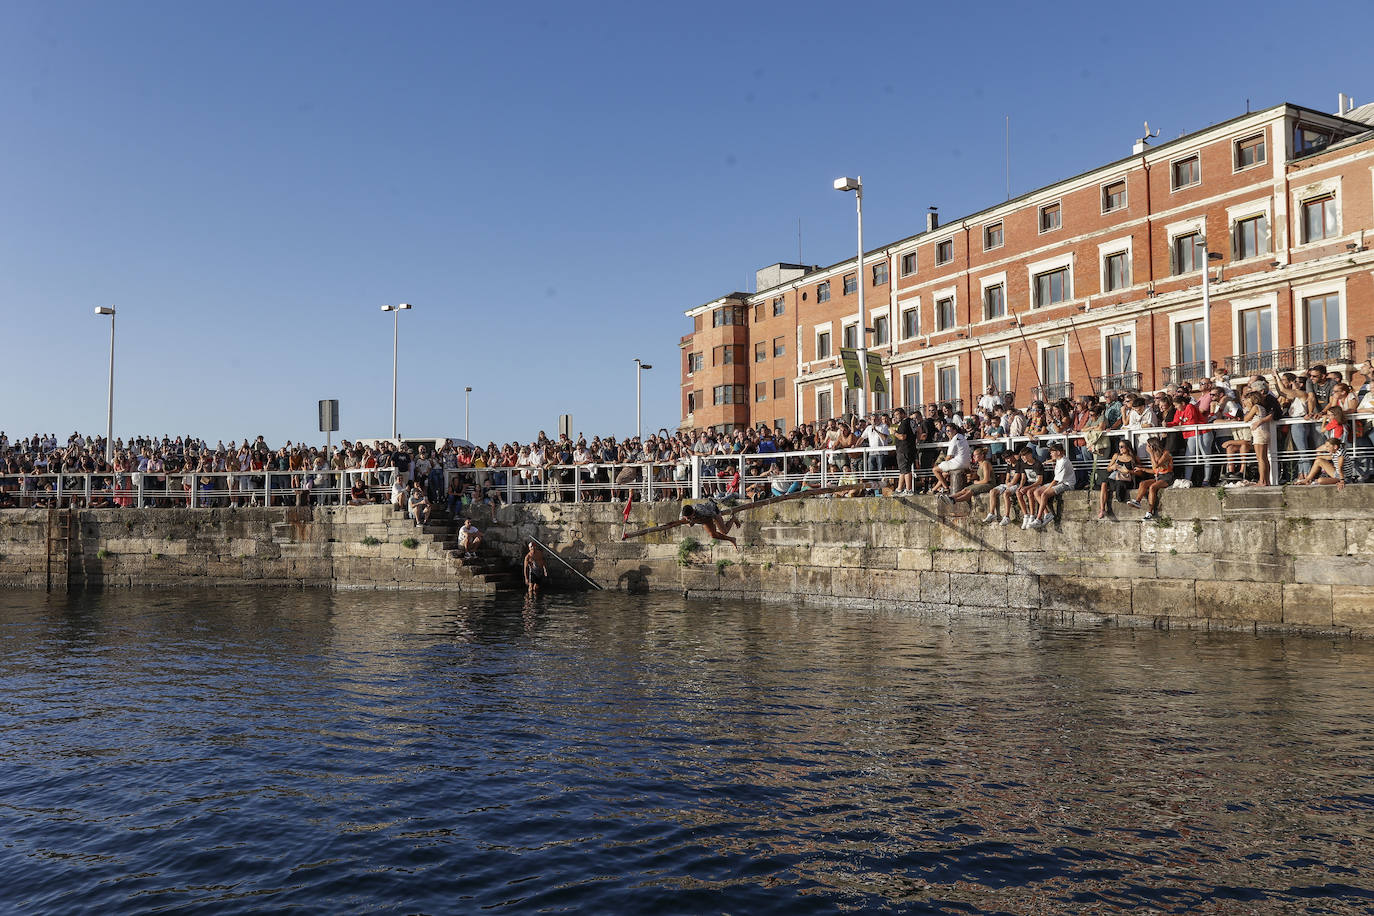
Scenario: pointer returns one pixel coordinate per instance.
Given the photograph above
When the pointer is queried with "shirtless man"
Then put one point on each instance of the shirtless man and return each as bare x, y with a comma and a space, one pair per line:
536, 573
707, 514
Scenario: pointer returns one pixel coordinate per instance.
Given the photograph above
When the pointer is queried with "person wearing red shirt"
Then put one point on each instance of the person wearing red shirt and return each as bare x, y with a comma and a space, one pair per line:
1187, 415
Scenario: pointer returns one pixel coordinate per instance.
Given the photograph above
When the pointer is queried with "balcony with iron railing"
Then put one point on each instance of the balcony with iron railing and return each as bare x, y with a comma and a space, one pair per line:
1289, 359
1052, 392
1120, 381
1325, 352
1186, 372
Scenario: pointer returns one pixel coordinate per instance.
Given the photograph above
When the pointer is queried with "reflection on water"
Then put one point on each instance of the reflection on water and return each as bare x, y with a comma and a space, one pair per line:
425, 753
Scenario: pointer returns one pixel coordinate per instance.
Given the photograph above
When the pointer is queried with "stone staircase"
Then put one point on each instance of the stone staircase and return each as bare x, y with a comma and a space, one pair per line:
485, 566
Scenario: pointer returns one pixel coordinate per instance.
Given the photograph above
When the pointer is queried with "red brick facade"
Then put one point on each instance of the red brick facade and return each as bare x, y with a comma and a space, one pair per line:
1096, 278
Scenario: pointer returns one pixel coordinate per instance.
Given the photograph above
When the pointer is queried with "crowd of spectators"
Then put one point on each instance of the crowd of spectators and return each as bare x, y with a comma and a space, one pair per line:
1279, 428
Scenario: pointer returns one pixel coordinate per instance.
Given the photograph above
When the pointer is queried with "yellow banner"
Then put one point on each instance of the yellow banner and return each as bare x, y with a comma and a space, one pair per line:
877, 378
853, 375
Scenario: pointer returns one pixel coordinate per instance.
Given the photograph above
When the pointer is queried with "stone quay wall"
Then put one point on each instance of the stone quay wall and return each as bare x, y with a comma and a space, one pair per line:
321, 547
1297, 558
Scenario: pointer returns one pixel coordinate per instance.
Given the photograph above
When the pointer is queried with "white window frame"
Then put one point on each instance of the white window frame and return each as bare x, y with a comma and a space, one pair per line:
935, 251
816, 332
1309, 290
1040, 216
828, 387
1187, 227
983, 231
914, 302
947, 363
997, 279
1195, 154
1268, 301
1045, 343
915, 262
1124, 245
1102, 194
994, 353
1175, 319
851, 321
1113, 331
949, 292
1309, 192
882, 311
1037, 268
920, 386
1263, 134
1262, 207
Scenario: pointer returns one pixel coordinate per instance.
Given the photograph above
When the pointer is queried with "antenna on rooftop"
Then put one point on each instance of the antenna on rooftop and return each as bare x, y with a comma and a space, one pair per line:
1142, 142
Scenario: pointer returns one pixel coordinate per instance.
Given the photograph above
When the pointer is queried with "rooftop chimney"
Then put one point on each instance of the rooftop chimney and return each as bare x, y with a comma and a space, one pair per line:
1342, 103
932, 219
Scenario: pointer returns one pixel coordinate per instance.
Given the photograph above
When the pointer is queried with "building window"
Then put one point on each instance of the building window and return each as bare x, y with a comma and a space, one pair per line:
1319, 218
1188, 252
733, 314
1186, 173
1250, 237
947, 383
822, 405
779, 388
822, 345
1054, 365
780, 425
880, 332
823, 292
1051, 217
779, 306
1051, 287
880, 273
850, 335
908, 264
994, 302
1119, 356
911, 322
1256, 331
693, 399
695, 362
728, 394
944, 314
726, 355
995, 373
779, 346
760, 391
851, 283
760, 352
911, 390
1113, 196
1322, 317
1250, 151
1188, 341
758, 311
944, 251
992, 236
1116, 271
1307, 139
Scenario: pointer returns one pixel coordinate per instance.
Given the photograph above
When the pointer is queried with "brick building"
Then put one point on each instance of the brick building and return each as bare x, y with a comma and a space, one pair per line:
1089, 284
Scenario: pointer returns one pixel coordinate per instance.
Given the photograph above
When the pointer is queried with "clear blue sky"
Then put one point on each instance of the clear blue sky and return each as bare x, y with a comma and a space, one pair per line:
551, 185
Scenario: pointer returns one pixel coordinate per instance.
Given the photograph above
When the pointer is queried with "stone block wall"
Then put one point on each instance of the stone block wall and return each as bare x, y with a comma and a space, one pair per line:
321, 547
1292, 558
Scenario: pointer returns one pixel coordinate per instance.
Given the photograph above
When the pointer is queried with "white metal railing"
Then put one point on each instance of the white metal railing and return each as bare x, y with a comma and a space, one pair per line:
697, 476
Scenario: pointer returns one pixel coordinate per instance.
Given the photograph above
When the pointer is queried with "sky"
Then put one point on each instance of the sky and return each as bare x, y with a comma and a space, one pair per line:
551, 185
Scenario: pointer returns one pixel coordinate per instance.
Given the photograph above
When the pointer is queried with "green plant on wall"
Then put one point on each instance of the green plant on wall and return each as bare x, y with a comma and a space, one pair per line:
723, 565
410, 543
370, 541
686, 549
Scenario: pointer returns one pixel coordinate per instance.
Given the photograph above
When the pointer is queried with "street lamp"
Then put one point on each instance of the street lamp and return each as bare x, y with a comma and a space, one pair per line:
640, 366
395, 335
467, 413
1207, 258
109, 406
857, 186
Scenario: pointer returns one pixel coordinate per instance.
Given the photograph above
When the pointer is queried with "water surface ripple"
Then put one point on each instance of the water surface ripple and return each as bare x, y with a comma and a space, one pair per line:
362, 752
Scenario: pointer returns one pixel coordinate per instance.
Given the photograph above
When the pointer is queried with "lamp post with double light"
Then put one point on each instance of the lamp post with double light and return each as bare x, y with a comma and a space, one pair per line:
109, 405
640, 366
857, 186
396, 311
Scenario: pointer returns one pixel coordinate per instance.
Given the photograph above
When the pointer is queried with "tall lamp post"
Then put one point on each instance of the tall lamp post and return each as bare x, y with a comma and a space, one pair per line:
640, 366
857, 186
395, 336
1207, 258
467, 413
109, 406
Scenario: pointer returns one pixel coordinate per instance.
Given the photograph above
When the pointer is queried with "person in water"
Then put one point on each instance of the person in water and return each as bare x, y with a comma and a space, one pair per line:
536, 573
707, 514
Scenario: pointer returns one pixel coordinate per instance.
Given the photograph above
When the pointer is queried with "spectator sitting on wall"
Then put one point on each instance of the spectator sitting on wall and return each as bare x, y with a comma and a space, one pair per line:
1329, 466
1162, 477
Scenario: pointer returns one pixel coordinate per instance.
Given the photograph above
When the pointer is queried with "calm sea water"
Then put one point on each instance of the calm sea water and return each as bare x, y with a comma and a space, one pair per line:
359, 752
